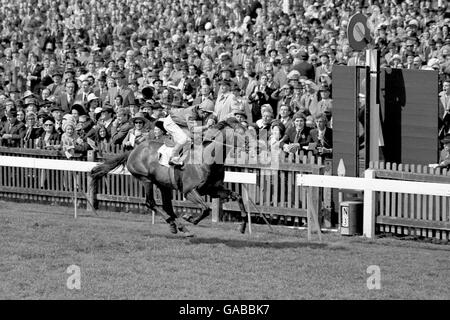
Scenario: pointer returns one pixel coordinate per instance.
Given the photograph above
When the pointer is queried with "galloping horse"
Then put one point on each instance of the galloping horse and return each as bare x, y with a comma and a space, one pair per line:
195, 179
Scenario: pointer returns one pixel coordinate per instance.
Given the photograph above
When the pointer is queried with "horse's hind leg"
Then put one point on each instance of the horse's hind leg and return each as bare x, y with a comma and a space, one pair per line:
195, 197
151, 204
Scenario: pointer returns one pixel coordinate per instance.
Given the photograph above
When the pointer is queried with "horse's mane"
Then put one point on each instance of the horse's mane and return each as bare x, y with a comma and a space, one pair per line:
231, 122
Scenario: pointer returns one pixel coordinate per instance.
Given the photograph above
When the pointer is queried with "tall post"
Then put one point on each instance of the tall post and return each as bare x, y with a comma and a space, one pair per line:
247, 204
75, 199
373, 62
369, 215
91, 193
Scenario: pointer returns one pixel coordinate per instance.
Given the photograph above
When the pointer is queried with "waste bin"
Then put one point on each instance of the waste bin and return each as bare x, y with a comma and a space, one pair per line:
351, 217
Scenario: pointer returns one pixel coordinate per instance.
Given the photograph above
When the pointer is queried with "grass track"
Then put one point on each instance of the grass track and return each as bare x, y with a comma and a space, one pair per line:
124, 256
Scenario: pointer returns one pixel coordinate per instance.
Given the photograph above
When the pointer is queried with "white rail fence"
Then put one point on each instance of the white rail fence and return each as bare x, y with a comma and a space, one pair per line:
86, 166
370, 186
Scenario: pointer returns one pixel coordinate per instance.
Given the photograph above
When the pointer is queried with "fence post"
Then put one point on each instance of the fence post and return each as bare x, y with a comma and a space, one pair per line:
216, 207
313, 211
369, 207
327, 196
91, 193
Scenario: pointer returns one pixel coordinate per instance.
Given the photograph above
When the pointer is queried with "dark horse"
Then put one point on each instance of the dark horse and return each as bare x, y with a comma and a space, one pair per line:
202, 174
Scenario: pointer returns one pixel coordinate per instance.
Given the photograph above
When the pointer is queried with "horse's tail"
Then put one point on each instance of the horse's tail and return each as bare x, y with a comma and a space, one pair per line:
101, 170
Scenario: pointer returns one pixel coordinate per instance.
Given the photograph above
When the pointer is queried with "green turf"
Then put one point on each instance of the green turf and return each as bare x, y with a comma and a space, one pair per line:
124, 256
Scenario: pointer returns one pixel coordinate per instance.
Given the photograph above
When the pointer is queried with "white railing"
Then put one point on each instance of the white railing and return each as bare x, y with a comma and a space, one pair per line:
86, 166
370, 186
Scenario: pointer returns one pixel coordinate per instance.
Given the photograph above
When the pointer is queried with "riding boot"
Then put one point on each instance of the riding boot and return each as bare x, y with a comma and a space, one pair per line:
175, 159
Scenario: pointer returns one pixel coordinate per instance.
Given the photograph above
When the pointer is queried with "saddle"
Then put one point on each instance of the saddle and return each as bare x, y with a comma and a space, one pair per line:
165, 153
176, 178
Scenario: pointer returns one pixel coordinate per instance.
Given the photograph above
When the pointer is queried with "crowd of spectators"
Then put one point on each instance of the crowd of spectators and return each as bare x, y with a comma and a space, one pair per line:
78, 75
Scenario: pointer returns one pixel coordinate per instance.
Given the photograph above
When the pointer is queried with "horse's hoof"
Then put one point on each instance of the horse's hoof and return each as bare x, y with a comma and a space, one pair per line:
188, 217
188, 234
203, 216
173, 227
185, 231
243, 227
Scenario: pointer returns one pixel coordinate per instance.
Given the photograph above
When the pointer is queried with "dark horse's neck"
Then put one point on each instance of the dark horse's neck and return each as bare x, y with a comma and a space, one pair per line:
216, 146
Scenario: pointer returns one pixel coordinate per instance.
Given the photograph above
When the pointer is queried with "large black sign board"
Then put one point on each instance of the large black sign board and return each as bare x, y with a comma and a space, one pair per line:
345, 119
409, 113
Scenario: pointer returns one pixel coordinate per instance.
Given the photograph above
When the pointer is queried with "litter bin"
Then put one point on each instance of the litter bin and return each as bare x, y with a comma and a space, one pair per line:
351, 217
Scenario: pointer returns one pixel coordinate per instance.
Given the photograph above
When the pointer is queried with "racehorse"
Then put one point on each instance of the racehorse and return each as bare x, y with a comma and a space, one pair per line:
194, 180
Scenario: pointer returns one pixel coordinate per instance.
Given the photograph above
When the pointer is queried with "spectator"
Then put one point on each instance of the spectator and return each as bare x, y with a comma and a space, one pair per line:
101, 90
83, 94
93, 102
444, 157
285, 116
49, 139
302, 66
118, 102
138, 133
295, 99
13, 130
240, 79
297, 136
282, 96
308, 100
281, 76
102, 140
322, 136
325, 104
3, 118
33, 131
121, 126
444, 109
107, 117
121, 89
71, 142
84, 129
277, 131
21, 116
224, 101
259, 97
33, 72
204, 94
66, 99
263, 125
158, 134
77, 110
325, 66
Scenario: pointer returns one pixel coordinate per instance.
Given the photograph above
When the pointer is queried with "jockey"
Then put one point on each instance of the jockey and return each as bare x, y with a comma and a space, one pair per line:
178, 119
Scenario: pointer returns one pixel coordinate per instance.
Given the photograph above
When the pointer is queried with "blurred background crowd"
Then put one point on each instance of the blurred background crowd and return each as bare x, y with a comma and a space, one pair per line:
79, 75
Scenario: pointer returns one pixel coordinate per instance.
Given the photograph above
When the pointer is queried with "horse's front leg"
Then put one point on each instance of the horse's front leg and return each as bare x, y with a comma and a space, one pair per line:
167, 210
166, 195
228, 195
150, 203
195, 197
